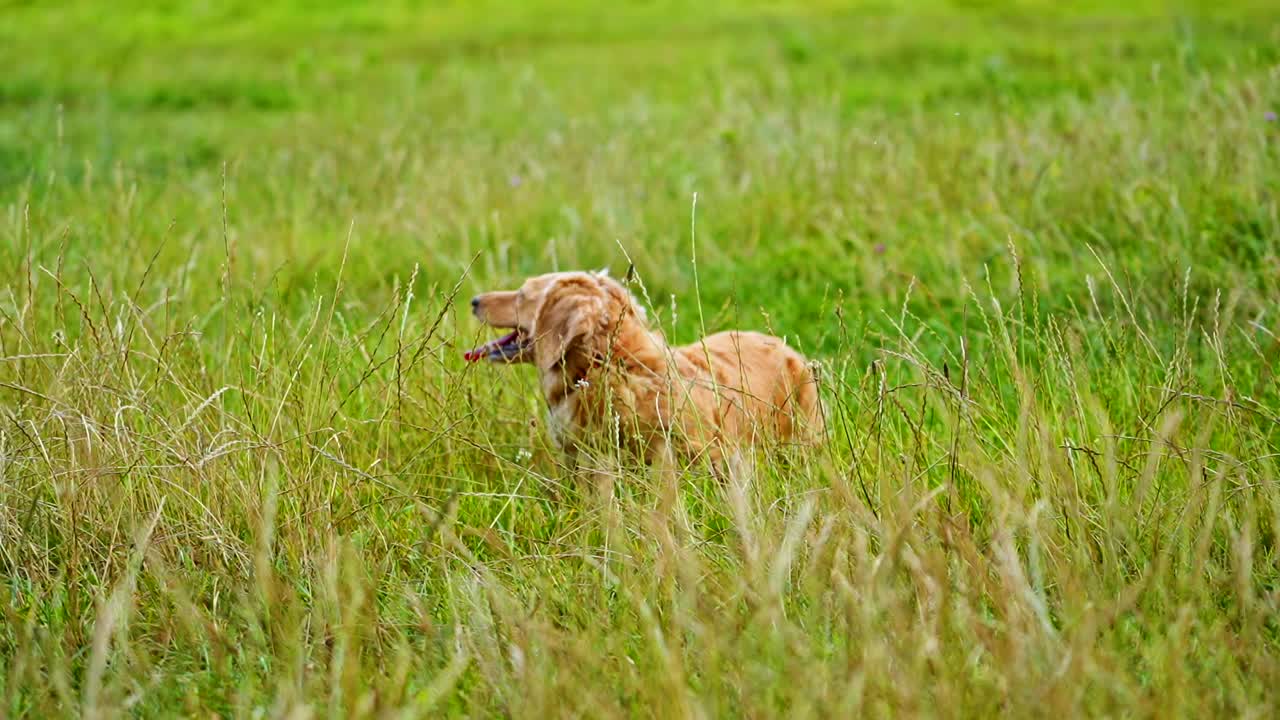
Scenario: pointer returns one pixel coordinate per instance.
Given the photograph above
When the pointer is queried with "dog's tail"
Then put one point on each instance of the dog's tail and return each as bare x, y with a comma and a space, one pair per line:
809, 424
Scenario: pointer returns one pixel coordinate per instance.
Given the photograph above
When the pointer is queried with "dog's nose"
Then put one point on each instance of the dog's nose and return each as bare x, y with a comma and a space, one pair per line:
475, 303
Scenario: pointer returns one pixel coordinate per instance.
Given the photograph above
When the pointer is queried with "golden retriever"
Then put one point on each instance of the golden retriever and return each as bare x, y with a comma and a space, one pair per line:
606, 374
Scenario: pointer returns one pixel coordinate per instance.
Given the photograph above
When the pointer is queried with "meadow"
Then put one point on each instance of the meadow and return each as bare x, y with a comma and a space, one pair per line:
245, 472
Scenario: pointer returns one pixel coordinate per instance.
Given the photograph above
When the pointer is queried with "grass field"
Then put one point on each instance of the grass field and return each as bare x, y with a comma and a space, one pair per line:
245, 472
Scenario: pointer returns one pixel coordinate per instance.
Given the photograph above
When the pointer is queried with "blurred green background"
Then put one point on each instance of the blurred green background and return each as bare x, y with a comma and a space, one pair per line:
835, 146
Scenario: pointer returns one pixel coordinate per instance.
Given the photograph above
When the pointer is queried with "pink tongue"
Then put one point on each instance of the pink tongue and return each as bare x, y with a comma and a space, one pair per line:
483, 351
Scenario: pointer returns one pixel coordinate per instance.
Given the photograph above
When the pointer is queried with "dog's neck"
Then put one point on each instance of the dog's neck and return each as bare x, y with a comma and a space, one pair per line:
634, 347
629, 347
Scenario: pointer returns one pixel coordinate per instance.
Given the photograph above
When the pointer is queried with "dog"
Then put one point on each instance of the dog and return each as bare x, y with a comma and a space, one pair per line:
605, 373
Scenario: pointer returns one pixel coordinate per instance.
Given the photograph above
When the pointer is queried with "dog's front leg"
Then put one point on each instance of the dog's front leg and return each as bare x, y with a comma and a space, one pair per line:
662, 458
589, 472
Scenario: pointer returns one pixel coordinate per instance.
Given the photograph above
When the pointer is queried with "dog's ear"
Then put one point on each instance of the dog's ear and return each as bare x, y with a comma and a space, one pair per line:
569, 315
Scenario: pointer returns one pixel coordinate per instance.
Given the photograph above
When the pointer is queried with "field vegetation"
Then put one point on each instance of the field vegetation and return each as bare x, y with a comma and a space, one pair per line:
1034, 246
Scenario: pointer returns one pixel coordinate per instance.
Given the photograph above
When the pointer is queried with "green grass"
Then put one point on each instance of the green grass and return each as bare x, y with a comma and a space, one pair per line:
244, 471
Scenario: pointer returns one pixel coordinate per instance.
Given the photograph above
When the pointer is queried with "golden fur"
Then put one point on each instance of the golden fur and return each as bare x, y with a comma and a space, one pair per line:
606, 374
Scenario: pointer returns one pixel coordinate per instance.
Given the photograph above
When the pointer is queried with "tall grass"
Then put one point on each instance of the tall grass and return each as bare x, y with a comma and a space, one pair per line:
244, 471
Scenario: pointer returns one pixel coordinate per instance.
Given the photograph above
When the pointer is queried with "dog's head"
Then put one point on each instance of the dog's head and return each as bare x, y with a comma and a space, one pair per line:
551, 317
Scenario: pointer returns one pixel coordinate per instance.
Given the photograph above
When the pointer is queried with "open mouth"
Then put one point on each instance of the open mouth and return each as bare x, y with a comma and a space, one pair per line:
507, 348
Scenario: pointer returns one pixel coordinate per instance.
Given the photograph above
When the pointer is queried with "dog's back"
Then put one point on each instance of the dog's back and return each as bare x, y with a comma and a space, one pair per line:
750, 385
